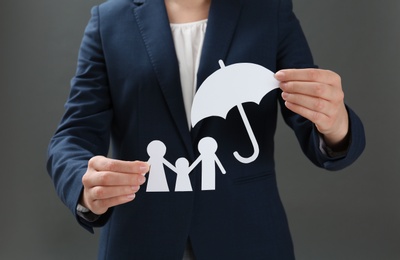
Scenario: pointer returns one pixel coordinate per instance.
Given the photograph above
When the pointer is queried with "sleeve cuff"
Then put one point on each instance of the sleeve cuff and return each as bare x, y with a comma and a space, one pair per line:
86, 214
327, 151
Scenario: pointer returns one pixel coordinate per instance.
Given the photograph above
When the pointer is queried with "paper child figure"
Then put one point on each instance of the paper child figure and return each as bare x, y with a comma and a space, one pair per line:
182, 171
157, 181
207, 148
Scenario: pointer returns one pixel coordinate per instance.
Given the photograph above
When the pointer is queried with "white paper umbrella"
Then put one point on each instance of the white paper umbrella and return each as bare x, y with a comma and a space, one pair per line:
229, 87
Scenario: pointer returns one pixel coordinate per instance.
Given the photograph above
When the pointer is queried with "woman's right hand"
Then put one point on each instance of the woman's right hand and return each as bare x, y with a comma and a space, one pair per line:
108, 182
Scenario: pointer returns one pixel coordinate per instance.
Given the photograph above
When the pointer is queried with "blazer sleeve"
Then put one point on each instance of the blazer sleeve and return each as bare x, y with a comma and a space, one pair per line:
294, 52
84, 130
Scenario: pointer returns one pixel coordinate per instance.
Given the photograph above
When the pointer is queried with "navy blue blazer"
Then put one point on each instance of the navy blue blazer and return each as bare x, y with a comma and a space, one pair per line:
127, 89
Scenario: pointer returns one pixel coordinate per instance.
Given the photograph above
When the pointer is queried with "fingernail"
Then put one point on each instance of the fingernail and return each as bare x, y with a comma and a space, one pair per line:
131, 196
279, 74
144, 169
142, 179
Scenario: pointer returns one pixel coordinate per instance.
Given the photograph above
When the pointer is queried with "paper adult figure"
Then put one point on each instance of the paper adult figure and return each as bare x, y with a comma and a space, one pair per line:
157, 181
208, 147
229, 87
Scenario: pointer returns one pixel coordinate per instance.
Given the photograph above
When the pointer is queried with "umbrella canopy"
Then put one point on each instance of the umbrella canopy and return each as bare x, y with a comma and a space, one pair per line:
229, 87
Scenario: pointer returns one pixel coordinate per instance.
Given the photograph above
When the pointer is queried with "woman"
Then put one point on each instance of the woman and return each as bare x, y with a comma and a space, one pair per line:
140, 64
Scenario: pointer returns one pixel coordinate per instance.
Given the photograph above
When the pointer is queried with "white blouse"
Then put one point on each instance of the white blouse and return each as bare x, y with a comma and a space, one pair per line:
188, 40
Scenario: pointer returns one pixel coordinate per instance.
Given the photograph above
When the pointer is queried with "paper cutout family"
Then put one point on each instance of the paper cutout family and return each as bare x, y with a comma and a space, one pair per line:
238, 83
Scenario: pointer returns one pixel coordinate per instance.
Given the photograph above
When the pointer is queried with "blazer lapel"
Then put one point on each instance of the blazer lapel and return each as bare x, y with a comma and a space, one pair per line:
221, 26
152, 19
222, 20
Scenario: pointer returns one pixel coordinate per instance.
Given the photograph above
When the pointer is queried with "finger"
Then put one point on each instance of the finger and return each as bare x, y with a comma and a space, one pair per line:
105, 178
107, 192
314, 89
99, 207
311, 75
317, 118
100, 163
315, 104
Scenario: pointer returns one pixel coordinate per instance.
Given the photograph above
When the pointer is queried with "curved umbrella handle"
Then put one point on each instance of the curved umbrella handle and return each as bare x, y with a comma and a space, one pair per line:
252, 139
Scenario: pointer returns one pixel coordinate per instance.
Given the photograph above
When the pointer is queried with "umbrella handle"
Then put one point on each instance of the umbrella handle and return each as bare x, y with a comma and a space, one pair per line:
252, 139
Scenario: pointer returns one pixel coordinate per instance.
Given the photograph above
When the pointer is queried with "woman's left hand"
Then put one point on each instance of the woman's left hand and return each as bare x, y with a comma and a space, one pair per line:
318, 96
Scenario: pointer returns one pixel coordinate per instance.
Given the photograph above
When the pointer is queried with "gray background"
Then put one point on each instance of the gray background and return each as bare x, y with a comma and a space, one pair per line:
352, 214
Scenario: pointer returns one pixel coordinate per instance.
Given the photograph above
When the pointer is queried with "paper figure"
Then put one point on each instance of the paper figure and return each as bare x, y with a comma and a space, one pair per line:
207, 148
232, 86
182, 172
157, 181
